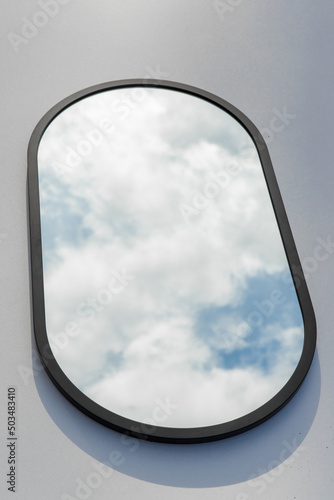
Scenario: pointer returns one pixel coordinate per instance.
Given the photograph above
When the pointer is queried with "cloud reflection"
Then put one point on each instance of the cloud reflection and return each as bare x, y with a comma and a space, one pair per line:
171, 193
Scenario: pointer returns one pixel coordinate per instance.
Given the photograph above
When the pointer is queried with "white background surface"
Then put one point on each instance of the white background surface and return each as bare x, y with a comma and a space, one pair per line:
260, 56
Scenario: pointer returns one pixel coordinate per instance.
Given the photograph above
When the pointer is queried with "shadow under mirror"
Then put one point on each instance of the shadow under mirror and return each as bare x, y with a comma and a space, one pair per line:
170, 309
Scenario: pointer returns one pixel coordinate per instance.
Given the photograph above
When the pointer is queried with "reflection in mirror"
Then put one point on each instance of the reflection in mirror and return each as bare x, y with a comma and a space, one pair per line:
168, 295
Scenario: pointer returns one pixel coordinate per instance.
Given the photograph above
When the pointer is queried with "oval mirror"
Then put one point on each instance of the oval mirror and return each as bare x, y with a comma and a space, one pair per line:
163, 298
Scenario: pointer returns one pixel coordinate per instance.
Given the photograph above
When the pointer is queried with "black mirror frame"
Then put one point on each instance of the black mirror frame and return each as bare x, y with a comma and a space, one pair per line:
66, 387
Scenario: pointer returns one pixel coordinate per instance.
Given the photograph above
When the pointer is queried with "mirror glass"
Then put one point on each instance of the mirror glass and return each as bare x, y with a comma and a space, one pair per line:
168, 295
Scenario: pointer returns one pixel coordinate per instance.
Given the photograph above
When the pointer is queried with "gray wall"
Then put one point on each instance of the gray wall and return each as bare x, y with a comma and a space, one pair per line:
260, 56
